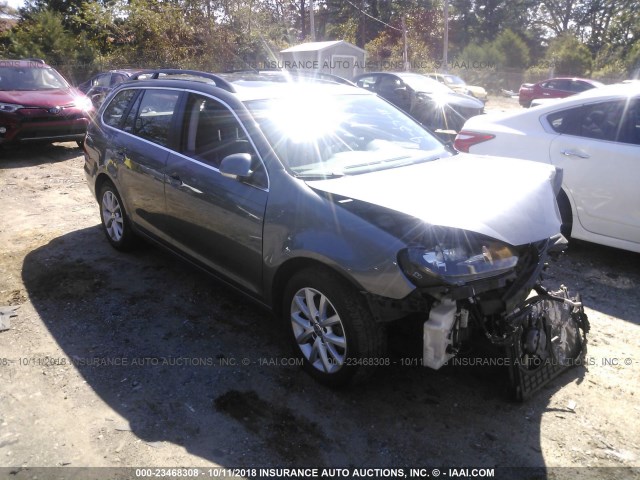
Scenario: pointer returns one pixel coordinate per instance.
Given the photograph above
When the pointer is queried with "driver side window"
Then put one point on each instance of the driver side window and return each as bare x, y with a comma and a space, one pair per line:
211, 132
389, 84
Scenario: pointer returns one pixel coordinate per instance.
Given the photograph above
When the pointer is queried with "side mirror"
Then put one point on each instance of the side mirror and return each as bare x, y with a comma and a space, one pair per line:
236, 166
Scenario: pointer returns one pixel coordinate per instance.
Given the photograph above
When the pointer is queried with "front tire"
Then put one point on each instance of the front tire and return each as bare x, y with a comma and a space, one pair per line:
115, 222
565, 214
331, 328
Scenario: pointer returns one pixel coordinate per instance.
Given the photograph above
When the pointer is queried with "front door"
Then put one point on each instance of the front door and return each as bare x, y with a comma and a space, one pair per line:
216, 220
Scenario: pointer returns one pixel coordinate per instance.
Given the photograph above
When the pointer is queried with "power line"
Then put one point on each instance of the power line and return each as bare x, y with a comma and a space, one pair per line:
372, 17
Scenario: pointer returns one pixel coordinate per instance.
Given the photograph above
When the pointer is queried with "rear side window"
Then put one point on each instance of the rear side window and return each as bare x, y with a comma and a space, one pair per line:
149, 117
600, 121
112, 115
155, 114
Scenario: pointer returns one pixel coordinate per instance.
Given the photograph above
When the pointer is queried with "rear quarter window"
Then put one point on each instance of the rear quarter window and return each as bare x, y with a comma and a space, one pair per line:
112, 115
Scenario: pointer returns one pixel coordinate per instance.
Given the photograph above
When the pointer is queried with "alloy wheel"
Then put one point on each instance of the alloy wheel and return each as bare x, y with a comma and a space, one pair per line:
112, 216
318, 330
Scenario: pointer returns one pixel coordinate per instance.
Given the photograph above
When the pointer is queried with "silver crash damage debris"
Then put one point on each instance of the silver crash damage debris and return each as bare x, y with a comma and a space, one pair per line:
541, 338
550, 337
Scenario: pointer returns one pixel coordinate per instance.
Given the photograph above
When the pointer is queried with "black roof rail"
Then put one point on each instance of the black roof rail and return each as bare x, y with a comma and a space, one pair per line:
155, 74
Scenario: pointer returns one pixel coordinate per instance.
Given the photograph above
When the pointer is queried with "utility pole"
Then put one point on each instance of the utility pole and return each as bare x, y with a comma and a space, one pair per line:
445, 46
363, 27
405, 55
312, 23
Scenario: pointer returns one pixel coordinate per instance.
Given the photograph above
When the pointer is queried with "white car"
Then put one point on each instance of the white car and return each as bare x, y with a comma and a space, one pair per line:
595, 138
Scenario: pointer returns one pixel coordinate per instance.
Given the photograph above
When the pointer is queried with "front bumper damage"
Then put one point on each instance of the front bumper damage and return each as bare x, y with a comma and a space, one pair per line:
550, 337
540, 339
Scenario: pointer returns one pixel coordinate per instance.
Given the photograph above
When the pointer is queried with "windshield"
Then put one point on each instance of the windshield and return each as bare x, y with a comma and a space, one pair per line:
334, 135
420, 83
31, 78
453, 80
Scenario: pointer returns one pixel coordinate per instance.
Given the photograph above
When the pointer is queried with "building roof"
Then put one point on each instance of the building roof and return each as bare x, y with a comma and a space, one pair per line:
318, 46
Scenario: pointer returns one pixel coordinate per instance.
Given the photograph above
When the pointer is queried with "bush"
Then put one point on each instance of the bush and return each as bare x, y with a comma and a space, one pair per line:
613, 72
568, 56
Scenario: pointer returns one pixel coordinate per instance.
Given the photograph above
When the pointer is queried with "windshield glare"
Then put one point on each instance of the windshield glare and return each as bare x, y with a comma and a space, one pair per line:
420, 83
31, 78
334, 135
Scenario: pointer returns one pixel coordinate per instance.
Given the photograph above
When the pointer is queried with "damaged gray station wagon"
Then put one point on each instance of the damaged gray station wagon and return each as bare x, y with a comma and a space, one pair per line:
341, 214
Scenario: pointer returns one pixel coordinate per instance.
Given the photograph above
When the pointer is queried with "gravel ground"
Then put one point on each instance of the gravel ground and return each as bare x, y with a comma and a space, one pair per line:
140, 360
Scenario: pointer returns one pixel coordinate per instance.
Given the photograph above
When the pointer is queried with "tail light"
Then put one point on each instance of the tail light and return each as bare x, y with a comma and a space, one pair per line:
465, 140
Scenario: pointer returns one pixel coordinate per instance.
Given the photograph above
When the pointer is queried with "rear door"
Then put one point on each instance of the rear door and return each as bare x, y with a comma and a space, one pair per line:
214, 219
139, 151
599, 151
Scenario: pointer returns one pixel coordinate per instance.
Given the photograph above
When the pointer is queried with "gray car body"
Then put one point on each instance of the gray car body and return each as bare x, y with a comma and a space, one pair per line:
254, 236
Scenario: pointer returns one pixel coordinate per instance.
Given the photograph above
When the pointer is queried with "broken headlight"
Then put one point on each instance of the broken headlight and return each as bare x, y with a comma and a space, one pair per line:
457, 261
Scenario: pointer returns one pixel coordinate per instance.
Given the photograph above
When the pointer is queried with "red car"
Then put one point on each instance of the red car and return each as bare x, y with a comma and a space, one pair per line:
37, 104
560, 87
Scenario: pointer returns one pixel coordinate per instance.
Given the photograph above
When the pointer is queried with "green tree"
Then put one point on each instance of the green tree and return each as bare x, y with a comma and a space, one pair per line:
514, 50
632, 60
44, 36
569, 56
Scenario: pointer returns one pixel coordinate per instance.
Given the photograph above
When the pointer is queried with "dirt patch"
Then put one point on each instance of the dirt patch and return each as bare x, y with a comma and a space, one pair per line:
13, 297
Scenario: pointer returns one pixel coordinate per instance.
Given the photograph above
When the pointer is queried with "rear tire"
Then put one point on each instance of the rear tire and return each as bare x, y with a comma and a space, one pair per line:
331, 328
115, 221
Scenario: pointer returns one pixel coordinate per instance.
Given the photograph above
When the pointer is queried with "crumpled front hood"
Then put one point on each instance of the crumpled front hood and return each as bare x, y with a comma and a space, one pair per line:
506, 199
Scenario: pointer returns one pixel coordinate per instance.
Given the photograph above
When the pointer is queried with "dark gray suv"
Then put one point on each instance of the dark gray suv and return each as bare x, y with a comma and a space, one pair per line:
339, 213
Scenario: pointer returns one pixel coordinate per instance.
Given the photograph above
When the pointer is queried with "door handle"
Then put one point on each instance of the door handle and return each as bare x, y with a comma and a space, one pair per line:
177, 182
573, 153
174, 179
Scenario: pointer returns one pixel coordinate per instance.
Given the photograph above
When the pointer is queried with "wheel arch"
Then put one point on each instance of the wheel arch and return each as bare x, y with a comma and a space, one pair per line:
291, 267
566, 212
101, 179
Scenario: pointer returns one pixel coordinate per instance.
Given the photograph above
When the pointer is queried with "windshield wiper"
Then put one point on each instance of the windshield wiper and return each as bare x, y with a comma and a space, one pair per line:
318, 176
375, 163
